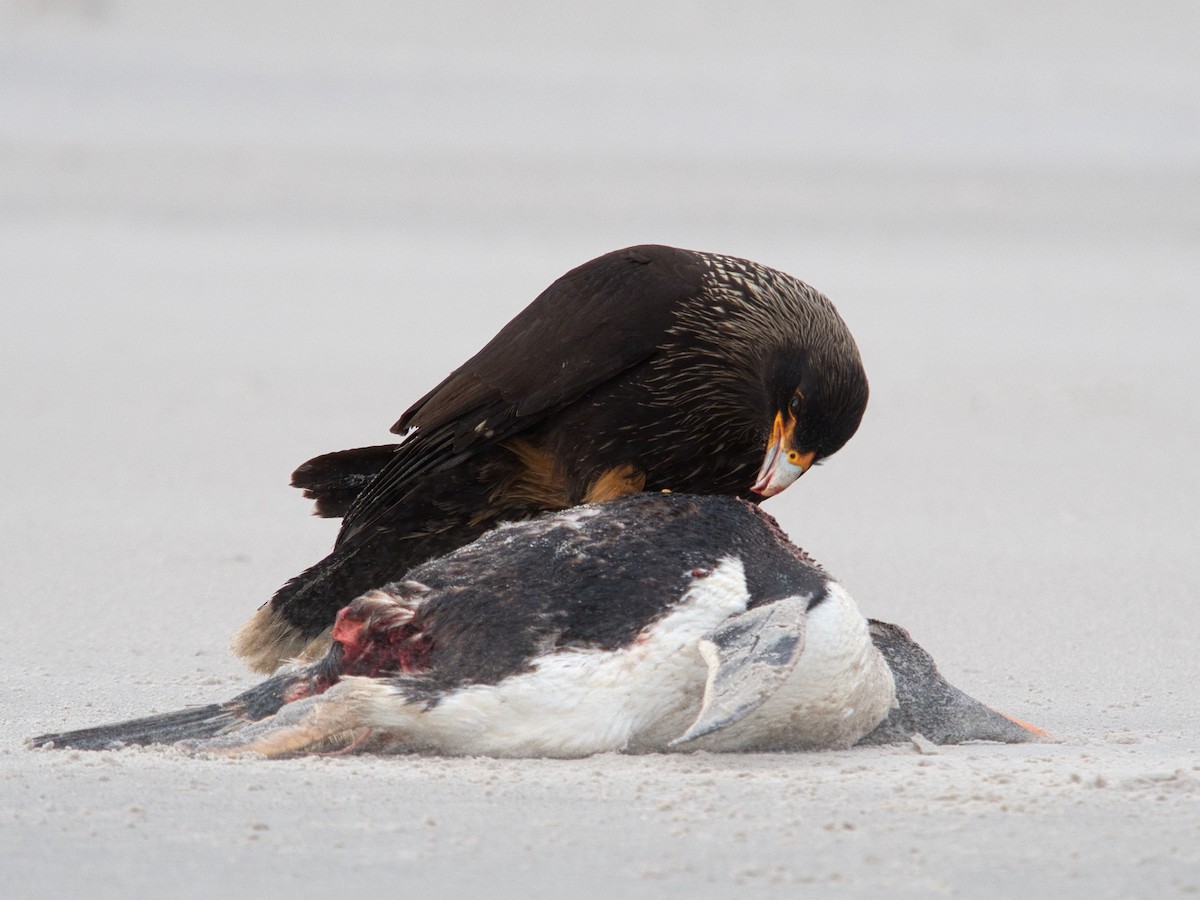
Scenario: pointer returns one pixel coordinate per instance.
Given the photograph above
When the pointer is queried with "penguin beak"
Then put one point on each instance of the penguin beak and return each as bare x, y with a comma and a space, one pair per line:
782, 463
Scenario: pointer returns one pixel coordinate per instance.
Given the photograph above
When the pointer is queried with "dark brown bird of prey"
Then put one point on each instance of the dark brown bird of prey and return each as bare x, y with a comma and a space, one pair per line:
647, 369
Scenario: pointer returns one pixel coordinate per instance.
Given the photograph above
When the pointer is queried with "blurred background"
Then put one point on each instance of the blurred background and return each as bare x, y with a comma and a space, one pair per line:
238, 234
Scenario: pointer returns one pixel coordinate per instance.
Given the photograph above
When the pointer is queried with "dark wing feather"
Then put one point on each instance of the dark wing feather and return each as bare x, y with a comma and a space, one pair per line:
422, 455
593, 323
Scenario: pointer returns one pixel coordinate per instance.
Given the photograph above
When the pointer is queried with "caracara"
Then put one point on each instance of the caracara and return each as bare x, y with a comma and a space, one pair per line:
647, 369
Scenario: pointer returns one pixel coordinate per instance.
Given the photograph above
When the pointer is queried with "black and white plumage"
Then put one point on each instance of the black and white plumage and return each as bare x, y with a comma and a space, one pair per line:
650, 368
649, 623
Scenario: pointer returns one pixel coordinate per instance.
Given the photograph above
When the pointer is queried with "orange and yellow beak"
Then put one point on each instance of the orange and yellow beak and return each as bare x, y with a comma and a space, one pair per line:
782, 463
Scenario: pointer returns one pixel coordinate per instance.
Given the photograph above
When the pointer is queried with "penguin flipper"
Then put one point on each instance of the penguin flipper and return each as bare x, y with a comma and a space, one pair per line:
749, 657
196, 723
166, 728
337, 721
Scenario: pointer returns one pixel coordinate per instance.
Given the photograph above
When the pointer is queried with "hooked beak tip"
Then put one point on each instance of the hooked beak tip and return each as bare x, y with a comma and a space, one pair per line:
782, 464
778, 472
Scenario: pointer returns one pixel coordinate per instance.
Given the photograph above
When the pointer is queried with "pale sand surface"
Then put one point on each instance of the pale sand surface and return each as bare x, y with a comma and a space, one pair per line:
236, 238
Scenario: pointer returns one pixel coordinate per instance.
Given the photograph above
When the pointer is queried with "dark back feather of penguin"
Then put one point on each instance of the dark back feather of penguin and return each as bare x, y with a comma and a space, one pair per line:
593, 577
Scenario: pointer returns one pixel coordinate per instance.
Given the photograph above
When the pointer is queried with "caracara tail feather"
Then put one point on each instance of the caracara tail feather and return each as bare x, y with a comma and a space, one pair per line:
334, 480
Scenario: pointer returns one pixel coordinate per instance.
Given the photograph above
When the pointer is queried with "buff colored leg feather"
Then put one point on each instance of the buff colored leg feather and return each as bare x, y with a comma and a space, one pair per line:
267, 640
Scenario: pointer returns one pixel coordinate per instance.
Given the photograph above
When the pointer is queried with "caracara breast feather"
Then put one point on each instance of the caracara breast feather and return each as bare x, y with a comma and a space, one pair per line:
650, 623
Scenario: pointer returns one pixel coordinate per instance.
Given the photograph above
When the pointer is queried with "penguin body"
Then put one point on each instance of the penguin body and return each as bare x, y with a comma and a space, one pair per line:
650, 623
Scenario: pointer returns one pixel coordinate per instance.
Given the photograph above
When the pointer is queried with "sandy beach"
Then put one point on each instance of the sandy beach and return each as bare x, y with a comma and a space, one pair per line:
244, 234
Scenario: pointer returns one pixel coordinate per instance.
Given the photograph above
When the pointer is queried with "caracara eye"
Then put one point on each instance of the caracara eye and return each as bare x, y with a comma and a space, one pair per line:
796, 405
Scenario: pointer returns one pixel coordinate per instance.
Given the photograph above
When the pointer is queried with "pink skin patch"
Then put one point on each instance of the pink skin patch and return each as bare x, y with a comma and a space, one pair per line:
379, 641
302, 690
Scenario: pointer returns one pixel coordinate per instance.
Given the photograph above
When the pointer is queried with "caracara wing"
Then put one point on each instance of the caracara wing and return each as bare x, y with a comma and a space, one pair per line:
589, 326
